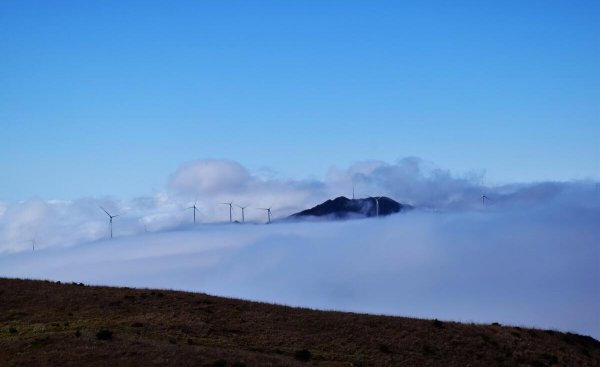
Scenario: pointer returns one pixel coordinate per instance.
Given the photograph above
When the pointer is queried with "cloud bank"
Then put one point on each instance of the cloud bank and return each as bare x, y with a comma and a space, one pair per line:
531, 256
537, 267
210, 182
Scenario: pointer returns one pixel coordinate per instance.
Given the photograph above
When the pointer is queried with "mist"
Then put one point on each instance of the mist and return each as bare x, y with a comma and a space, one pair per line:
60, 223
529, 257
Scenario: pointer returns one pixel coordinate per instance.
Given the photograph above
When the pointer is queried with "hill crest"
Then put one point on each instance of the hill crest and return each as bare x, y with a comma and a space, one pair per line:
344, 208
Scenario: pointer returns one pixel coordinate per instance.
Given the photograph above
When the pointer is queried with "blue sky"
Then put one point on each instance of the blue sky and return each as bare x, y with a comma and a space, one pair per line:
110, 97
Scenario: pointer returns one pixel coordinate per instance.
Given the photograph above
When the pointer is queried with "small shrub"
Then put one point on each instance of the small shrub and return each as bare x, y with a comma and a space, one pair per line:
532, 333
551, 359
12, 330
581, 339
160, 294
438, 324
428, 350
238, 364
104, 334
190, 342
499, 360
172, 340
219, 363
303, 355
137, 324
384, 348
495, 324
78, 333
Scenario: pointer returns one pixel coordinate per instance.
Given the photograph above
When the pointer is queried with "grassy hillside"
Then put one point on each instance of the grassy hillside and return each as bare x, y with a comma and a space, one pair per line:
45, 323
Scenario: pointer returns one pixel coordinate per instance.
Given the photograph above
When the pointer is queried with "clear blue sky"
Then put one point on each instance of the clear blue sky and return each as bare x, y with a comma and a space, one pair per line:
109, 97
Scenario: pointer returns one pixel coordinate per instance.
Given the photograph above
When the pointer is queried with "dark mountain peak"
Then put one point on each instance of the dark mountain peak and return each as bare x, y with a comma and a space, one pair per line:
342, 207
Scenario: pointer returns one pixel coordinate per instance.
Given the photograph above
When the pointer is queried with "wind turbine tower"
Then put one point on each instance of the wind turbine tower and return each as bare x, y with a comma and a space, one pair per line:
243, 208
230, 209
376, 204
483, 199
268, 210
110, 220
195, 208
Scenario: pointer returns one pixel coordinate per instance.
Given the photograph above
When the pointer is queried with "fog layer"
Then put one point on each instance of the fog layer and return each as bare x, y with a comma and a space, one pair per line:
530, 257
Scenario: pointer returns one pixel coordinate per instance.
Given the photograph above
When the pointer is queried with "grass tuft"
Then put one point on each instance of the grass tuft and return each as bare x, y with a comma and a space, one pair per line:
104, 334
303, 355
384, 348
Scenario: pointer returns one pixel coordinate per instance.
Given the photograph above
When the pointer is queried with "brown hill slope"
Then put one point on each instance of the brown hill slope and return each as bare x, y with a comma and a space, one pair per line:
50, 324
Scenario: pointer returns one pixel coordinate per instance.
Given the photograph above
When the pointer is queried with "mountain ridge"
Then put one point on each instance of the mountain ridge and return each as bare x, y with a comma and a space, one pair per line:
344, 208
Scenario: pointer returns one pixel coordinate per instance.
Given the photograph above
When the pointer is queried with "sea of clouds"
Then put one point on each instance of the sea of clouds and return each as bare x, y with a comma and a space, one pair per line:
530, 256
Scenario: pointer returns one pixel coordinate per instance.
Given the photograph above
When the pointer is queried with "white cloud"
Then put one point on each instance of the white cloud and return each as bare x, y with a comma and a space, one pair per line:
532, 267
211, 177
528, 257
410, 180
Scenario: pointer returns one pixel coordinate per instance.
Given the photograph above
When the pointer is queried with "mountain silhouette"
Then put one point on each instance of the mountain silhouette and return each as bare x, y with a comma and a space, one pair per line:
343, 208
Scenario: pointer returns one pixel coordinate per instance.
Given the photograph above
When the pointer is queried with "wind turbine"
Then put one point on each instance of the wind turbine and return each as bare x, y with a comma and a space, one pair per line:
376, 203
195, 208
268, 213
111, 218
243, 208
230, 205
33, 241
483, 199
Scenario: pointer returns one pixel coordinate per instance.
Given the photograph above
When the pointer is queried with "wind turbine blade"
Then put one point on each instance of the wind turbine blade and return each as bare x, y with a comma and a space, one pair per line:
105, 211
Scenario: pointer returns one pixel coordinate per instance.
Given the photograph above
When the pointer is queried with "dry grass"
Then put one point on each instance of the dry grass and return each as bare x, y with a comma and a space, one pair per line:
50, 324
